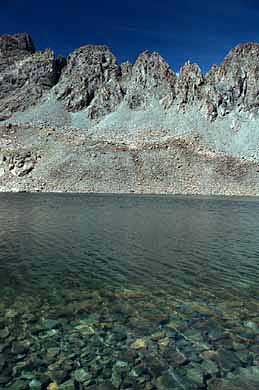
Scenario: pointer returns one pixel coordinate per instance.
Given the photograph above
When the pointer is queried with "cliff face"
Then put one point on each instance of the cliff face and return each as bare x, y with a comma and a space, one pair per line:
124, 104
235, 84
15, 47
151, 78
88, 70
93, 81
25, 75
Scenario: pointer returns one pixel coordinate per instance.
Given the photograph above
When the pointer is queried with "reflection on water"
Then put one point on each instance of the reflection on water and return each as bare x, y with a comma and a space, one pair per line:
129, 292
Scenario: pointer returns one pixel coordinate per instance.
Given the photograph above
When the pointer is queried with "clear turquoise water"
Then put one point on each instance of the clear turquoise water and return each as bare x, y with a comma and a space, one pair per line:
168, 274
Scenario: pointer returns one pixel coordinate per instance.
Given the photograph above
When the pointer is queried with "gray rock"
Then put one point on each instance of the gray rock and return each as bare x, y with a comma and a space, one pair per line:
189, 86
176, 358
227, 360
151, 78
91, 79
91, 76
25, 75
82, 376
16, 43
68, 385
169, 382
52, 353
209, 367
4, 333
20, 347
195, 375
35, 385
157, 125
235, 82
2, 361
4, 379
119, 370
19, 385
247, 378
51, 324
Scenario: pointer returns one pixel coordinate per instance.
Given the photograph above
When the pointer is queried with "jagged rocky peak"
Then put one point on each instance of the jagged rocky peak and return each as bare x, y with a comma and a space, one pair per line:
241, 68
126, 68
25, 82
150, 63
111, 93
14, 48
25, 75
235, 83
189, 84
91, 80
245, 54
191, 73
126, 71
151, 77
88, 69
17, 42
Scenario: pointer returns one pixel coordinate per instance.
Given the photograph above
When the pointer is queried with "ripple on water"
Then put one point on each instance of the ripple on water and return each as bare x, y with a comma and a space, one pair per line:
128, 292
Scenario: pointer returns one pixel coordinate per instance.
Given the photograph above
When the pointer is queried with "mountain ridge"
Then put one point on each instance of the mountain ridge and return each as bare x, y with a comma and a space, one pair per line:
237, 77
91, 94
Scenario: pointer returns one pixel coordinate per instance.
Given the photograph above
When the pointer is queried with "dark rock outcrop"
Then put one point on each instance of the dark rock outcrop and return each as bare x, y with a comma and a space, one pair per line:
189, 85
22, 42
89, 70
151, 77
14, 47
91, 80
235, 83
25, 75
137, 148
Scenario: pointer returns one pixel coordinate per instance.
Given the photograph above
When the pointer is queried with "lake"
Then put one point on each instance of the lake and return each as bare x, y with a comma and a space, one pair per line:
128, 292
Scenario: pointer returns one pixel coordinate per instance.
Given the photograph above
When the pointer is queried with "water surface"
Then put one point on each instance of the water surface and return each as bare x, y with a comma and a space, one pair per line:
128, 282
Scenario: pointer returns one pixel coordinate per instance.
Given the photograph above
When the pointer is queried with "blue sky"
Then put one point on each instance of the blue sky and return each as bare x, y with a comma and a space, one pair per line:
200, 31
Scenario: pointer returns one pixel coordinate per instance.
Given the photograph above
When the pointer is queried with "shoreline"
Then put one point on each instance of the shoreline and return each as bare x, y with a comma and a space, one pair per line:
140, 195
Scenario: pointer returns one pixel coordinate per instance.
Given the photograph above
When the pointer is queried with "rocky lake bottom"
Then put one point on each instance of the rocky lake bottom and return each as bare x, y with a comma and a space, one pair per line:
128, 292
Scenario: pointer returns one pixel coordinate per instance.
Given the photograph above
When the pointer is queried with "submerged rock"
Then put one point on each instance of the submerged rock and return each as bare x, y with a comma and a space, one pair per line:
175, 358
169, 382
19, 385
209, 367
35, 385
139, 344
52, 386
247, 378
4, 333
82, 376
195, 375
68, 385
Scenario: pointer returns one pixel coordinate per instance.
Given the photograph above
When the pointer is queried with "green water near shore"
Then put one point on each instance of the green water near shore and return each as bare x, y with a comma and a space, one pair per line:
128, 292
